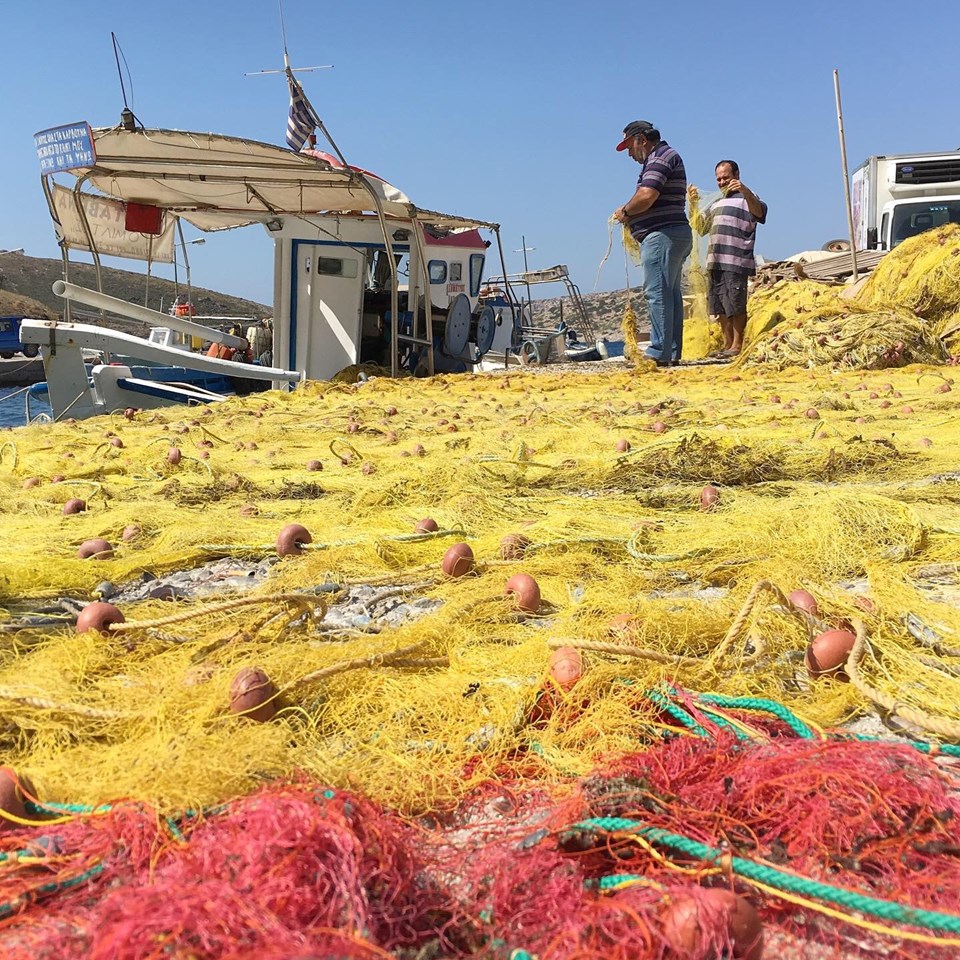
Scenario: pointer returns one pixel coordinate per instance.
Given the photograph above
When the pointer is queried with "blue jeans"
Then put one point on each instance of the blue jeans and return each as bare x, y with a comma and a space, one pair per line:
662, 254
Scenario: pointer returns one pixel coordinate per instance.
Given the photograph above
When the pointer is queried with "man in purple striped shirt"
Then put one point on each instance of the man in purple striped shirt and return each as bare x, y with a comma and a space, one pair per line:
656, 215
732, 223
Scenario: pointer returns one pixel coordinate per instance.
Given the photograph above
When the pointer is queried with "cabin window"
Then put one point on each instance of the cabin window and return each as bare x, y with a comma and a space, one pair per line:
476, 272
438, 271
456, 272
335, 267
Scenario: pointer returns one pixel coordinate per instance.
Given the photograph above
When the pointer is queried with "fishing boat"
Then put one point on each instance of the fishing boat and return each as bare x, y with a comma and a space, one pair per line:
362, 275
538, 343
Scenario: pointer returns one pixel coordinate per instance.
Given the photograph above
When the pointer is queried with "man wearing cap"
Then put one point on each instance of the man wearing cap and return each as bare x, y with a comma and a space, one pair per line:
657, 218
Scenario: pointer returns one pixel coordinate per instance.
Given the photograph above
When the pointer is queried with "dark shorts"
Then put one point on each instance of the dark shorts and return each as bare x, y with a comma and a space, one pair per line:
726, 293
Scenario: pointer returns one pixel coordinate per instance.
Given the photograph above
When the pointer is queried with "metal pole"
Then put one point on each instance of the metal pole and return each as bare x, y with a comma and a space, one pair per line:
526, 269
846, 177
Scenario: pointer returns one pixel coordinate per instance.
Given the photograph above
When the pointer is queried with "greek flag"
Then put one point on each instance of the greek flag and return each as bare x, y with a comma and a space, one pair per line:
303, 119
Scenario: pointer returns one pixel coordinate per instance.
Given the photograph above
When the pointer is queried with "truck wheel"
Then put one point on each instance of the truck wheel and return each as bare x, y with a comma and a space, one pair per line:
836, 246
6, 354
31, 350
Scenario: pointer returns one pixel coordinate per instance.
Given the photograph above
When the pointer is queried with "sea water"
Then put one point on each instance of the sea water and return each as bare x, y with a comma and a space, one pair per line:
14, 410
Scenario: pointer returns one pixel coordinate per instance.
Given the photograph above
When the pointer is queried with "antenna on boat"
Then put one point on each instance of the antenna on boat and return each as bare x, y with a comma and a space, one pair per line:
287, 69
304, 119
127, 119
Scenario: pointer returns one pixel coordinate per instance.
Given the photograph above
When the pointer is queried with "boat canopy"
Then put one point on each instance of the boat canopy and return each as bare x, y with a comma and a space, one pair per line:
218, 182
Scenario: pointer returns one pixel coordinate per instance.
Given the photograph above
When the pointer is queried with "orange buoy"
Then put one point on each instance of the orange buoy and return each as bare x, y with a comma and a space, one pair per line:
513, 546
804, 600
828, 652
525, 592
565, 666
713, 923
709, 497
291, 539
13, 791
253, 694
458, 560
98, 616
95, 549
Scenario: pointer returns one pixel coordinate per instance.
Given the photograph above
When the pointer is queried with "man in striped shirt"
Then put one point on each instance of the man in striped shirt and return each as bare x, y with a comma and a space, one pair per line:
732, 223
656, 215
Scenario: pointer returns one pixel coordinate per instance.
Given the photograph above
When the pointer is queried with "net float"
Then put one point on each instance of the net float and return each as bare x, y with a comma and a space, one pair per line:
525, 592
709, 497
622, 625
713, 923
812, 414
458, 560
804, 600
513, 546
426, 525
174, 456
623, 446
828, 652
98, 616
253, 694
74, 505
291, 539
130, 532
314, 465
95, 549
565, 666
13, 793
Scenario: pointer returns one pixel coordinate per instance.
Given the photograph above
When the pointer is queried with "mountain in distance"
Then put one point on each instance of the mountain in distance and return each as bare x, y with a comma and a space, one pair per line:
28, 281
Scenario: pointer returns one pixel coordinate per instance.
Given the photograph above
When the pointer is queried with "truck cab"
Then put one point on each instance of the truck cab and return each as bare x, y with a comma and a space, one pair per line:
899, 196
10, 339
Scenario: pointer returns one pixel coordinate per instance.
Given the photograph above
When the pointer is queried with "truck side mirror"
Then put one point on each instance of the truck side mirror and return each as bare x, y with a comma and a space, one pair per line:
871, 238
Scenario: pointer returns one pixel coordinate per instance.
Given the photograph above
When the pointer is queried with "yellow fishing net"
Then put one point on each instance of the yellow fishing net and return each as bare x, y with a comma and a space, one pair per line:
908, 310
841, 483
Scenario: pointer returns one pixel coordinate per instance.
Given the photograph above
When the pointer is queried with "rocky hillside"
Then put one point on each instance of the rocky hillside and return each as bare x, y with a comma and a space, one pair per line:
28, 280
604, 311
25, 288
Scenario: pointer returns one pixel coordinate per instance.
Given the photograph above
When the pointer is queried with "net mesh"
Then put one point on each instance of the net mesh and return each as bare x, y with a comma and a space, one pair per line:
839, 481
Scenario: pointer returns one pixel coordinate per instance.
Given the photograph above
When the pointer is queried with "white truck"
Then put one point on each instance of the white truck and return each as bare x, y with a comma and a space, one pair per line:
899, 196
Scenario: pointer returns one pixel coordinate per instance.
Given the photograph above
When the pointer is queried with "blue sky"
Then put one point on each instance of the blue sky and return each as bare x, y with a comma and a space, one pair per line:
505, 111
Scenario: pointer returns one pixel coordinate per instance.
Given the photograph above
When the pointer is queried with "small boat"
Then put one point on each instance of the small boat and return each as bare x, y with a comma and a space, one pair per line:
362, 275
534, 343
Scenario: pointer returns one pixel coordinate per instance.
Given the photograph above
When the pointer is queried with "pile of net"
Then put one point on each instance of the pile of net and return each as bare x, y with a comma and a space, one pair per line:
740, 831
908, 311
598, 546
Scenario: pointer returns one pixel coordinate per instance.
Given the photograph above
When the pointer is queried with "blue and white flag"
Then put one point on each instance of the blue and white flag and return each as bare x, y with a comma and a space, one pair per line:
303, 119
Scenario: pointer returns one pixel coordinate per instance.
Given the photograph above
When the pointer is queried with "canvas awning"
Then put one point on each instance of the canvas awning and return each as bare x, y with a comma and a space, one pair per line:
218, 182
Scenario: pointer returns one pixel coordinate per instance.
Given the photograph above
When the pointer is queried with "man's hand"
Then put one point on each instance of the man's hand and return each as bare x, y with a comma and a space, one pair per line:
733, 185
693, 195
620, 215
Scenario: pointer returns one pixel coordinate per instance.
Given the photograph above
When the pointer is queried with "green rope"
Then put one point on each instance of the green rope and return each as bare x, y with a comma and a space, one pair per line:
39, 809
802, 730
812, 889
678, 713
766, 706
54, 887
947, 749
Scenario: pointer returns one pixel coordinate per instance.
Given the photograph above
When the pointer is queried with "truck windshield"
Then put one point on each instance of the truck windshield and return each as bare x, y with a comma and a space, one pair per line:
909, 219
